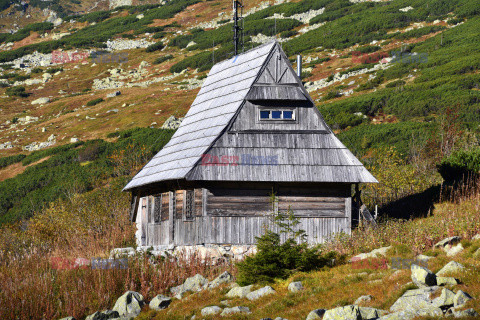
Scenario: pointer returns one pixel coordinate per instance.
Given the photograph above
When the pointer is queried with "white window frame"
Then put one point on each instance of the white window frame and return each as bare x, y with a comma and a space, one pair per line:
293, 118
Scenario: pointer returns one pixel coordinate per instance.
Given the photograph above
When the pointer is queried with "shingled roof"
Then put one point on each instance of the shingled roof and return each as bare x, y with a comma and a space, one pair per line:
222, 95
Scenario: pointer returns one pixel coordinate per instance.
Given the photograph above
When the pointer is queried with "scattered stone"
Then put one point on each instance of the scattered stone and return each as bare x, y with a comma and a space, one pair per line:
41, 101
112, 111
225, 303
122, 252
113, 94
160, 302
68, 318
229, 311
223, 278
172, 123
372, 254
446, 281
422, 277
361, 299
129, 304
73, 140
6, 145
345, 313
254, 295
451, 267
316, 314
371, 313
295, 286
422, 257
103, 315
239, 292
465, 313
192, 284
461, 298
415, 300
445, 299
453, 251
447, 241
210, 311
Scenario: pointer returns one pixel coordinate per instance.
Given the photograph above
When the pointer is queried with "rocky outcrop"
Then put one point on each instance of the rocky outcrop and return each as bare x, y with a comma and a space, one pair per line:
193, 284
225, 277
451, 268
172, 123
239, 292
422, 277
316, 314
129, 304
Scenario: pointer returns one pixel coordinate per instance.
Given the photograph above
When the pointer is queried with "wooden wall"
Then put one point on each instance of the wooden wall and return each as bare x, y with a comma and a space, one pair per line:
237, 216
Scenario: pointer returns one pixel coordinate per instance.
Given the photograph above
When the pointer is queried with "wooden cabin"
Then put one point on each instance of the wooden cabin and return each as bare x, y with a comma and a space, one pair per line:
253, 130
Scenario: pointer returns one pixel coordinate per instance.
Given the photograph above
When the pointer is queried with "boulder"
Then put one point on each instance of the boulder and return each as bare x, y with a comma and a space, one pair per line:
68, 318
129, 304
372, 254
400, 315
451, 267
122, 252
316, 314
210, 311
453, 251
351, 312
414, 300
446, 281
229, 311
192, 284
465, 313
422, 277
113, 94
361, 299
447, 241
41, 101
239, 292
103, 315
254, 295
445, 299
172, 123
371, 313
223, 278
295, 286
160, 302
461, 298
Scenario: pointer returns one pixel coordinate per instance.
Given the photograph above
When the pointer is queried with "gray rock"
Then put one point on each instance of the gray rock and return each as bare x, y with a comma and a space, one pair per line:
414, 300
113, 94
160, 302
41, 101
239, 292
343, 313
129, 304
372, 254
68, 318
209, 311
446, 281
422, 277
451, 267
401, 315
223, 278
371, 313
316, 314
465, 313
103, 315
254, 295
447, 241
172, 123
461, 298
445, 299
192, 284
453, 251
122, 252
295, 286
229, 311
422, 257
430, 312
361, 299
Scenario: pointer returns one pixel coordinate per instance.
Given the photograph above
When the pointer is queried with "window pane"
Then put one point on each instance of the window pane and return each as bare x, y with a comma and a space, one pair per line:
287, 114
264, 114
276, 114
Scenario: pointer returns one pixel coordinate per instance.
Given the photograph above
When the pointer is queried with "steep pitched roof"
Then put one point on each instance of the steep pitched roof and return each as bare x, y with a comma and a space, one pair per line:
222, 93
302, 155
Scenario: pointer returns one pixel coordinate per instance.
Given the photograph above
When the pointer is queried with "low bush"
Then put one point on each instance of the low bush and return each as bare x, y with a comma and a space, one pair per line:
18, 91
460, 165
94, 102
162, 59
155, 47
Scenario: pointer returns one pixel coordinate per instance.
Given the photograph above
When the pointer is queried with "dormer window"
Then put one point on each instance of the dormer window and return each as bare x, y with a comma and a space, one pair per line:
276, 114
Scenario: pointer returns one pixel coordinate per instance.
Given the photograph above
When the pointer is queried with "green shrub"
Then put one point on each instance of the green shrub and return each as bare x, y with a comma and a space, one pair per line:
155, 47
54, 70
94, 102
288, 33
162, 59
395, 84
6, 161
18, 91
460, 165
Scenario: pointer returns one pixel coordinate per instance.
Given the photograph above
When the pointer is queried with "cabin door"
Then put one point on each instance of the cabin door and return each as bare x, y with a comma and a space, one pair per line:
144, 222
